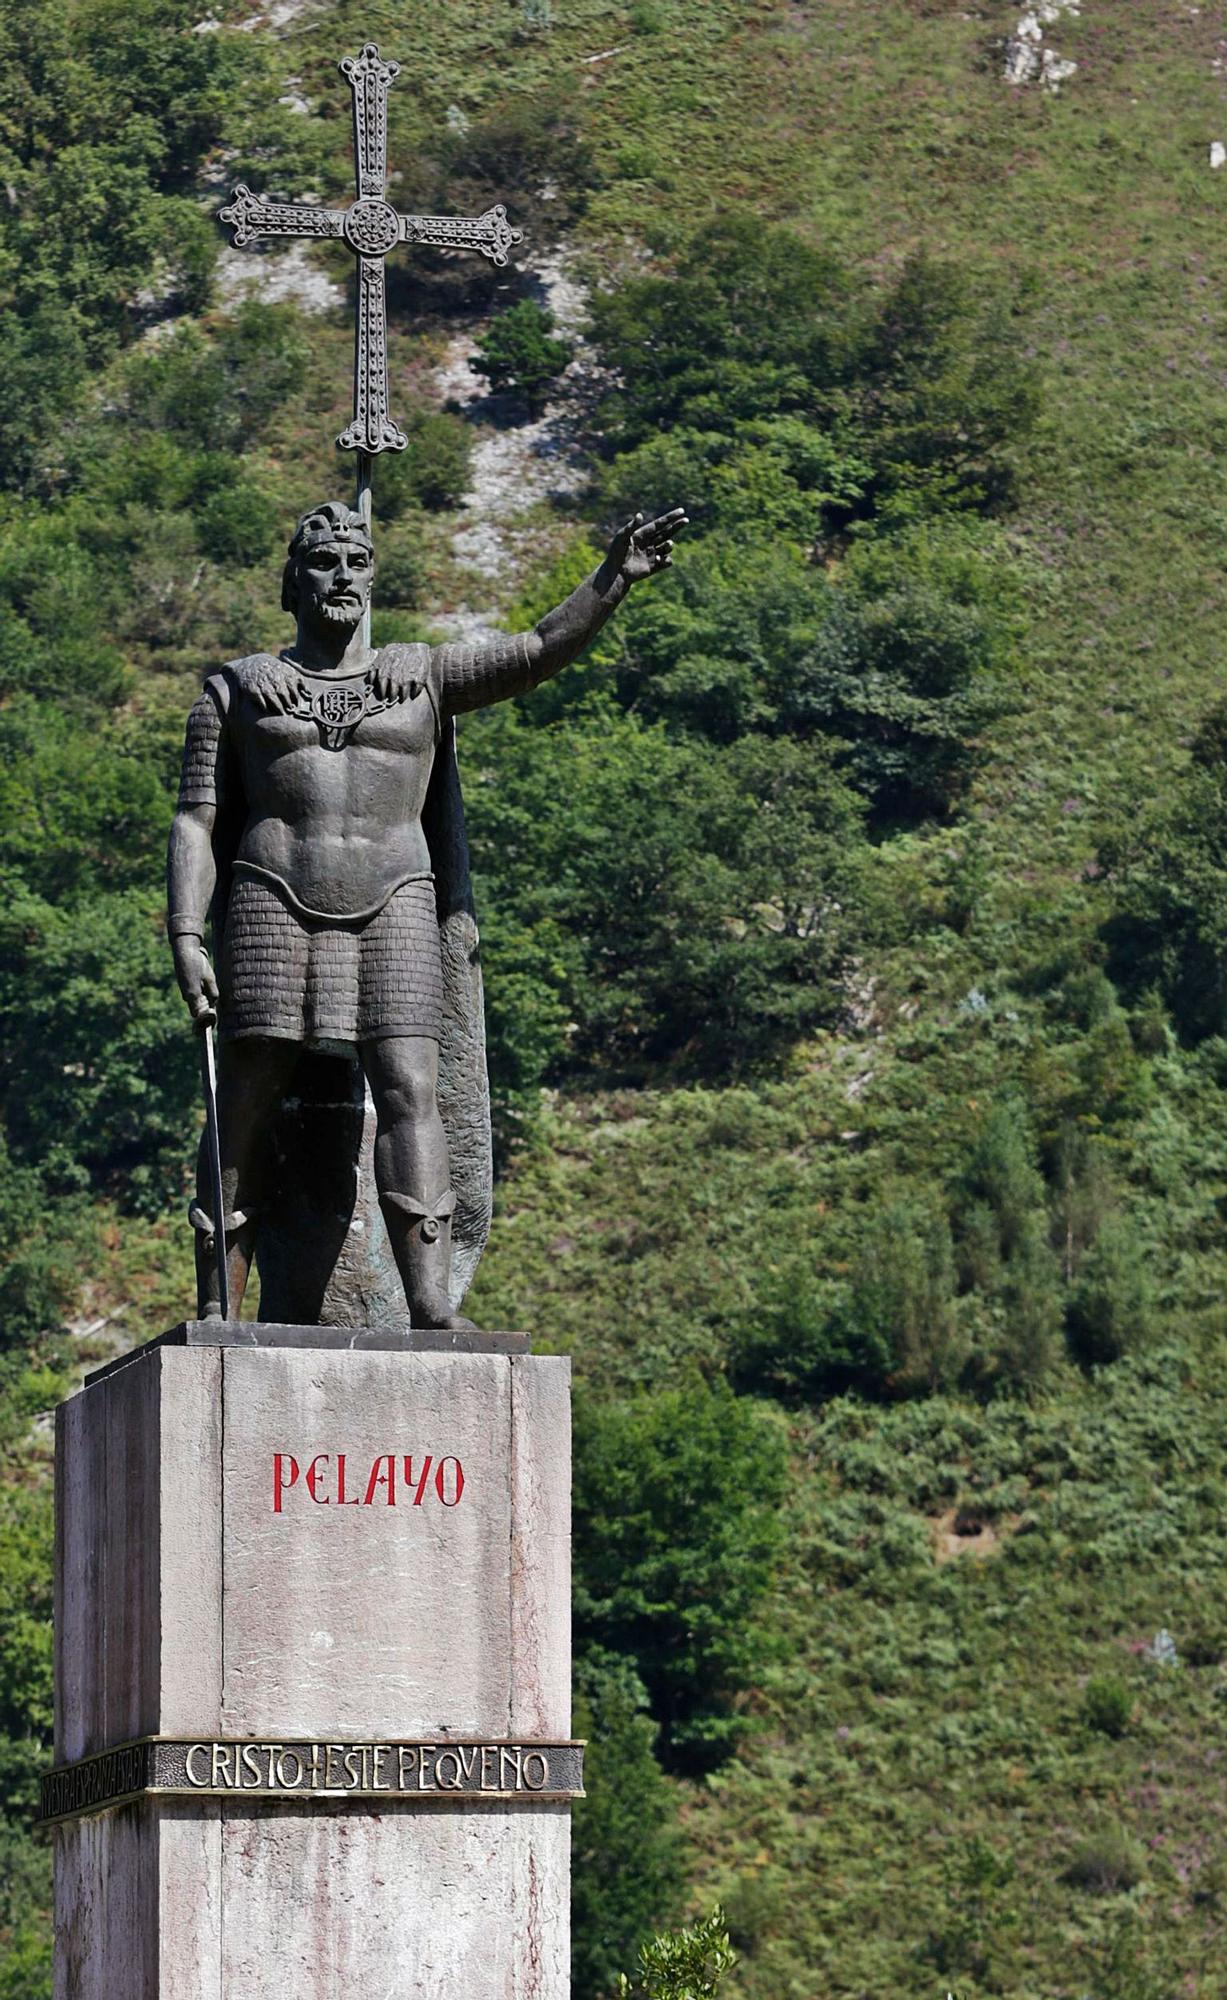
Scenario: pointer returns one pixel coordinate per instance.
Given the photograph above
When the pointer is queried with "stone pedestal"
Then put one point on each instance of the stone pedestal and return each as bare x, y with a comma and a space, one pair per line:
325, 1597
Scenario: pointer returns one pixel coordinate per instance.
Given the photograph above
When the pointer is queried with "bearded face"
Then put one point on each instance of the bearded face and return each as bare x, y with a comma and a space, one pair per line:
334, 583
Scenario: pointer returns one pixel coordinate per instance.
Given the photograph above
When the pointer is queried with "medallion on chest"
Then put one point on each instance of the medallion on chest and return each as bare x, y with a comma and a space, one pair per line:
338, 707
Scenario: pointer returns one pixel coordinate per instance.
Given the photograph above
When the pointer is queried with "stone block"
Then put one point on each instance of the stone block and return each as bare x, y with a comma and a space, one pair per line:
288, 1544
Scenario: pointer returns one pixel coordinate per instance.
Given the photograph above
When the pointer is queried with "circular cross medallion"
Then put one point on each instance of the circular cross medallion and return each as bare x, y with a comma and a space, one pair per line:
339, 705
372, 227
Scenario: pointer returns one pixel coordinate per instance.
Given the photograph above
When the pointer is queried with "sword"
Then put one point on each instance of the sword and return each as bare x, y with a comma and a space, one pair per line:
208, 1076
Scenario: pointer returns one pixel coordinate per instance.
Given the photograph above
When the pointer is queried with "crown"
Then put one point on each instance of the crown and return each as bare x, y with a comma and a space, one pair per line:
331, 522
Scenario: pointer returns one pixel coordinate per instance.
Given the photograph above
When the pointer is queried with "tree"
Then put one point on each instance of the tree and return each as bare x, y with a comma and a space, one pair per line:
924, 402
910, 664
431, 472
626, 1857
676, 1531
689, 905
1167, 873
751, 323
521, 354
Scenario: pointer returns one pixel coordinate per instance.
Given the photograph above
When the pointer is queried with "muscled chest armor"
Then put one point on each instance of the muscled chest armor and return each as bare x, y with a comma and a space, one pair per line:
333, 790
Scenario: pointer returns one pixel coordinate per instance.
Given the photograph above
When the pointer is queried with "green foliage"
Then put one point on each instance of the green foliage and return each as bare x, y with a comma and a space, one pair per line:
98, 1075
626, 1872
900, 1308
973, 1910
1107, 1705
716, 655
775, 473
910, 665
894, 1327
238, 524
1107, 1863
521, 353
1168, 869
683, 1965
1007, 1268
38, 1266
676, 1532
917, 406
749, 324
946, 1288
750, 388
25, 1737
25, 1607
401, 568
106, 114
216, 393
25, 1970
432, 471
682, 906
944, 391
1111, 1308
525, 149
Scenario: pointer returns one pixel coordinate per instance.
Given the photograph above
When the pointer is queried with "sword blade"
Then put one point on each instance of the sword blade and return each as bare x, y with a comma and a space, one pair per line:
208, 1072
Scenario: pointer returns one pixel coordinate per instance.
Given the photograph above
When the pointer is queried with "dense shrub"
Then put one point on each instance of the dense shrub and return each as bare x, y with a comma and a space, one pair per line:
1111, 1307
1167, 869
917, 407
910, 664
676, 1532
626, 1875
684, 906
521, 353
526, 152
893, 1328
432, 471
1107, 1705
683, 1965
105, 116
1106, 1863
751, 323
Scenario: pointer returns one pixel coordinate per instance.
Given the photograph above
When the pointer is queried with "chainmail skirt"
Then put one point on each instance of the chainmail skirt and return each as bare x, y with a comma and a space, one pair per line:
295, 979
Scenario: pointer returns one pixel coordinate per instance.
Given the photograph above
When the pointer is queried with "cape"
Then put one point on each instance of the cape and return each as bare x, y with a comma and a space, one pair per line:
464, 1084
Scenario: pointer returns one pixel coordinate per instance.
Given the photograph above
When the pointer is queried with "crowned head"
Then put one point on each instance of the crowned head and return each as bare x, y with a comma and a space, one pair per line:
330, 566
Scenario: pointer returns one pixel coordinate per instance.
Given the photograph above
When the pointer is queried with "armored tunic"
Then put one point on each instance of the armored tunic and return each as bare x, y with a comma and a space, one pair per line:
327, 925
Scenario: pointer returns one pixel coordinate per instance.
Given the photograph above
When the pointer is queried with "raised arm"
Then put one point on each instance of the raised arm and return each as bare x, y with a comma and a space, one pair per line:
474, 676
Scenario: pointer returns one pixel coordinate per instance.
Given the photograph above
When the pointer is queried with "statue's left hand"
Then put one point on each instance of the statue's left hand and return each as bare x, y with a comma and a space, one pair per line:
392, 677
642, 547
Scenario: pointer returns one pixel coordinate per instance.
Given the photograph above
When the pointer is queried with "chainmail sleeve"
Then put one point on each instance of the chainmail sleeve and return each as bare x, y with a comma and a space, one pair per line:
468, 677
202, 778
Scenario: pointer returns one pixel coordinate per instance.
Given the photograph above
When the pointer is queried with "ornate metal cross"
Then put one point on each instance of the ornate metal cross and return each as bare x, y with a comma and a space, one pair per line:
371, 227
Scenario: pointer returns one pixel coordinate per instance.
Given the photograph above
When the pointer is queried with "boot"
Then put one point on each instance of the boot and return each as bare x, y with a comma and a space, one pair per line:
240, 1245
421, 1236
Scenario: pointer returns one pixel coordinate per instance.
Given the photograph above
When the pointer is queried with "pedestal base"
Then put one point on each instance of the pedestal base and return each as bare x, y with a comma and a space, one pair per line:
272, 1558
189, 1902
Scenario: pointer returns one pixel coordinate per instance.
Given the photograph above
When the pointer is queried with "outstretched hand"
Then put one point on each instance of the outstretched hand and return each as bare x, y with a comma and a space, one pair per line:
642, 547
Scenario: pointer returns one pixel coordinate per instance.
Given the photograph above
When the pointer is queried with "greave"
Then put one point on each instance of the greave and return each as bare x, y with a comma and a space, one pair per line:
240, 1243
421, 1236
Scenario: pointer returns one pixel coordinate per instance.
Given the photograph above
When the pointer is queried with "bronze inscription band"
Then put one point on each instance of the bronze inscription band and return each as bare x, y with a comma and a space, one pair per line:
263, 1769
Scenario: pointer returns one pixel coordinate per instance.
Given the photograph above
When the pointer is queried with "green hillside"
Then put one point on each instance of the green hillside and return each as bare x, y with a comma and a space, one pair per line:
854, 923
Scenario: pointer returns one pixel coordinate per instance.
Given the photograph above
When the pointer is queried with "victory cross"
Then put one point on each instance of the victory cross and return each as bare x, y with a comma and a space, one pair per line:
319, 829
371, 227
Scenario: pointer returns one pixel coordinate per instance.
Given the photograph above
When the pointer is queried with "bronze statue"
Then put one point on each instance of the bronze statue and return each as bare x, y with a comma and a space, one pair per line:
306, 775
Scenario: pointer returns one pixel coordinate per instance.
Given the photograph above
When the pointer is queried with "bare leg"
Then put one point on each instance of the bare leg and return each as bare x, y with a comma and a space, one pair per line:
252, 1075
411, 1172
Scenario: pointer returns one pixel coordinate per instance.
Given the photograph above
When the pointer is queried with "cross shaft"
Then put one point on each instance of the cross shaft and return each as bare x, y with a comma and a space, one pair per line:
371, 227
